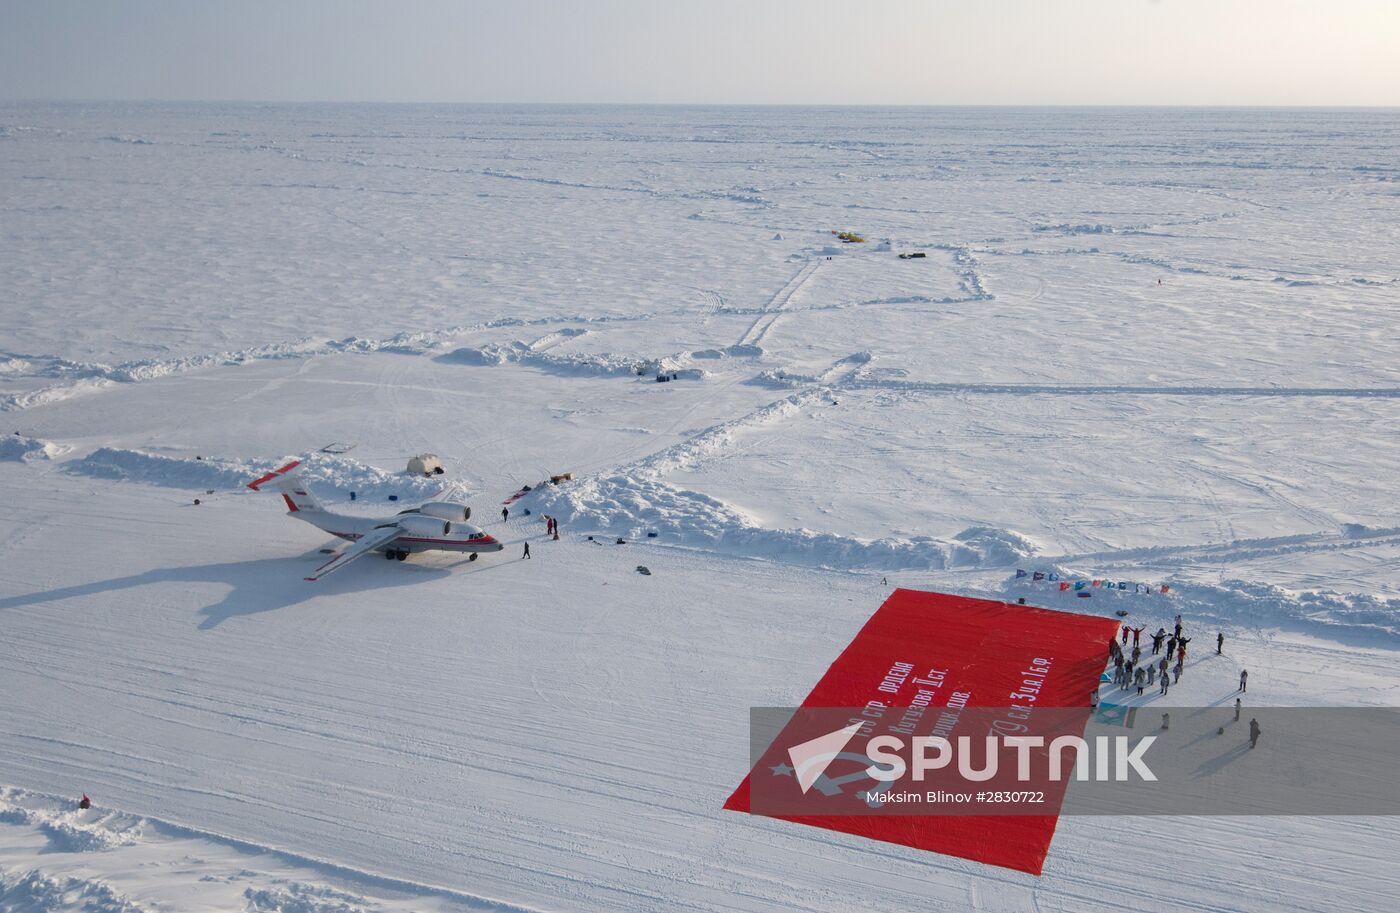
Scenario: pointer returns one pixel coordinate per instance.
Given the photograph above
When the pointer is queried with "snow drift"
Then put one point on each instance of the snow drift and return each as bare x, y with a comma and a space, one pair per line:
631, 507
327, 475
1357, 617
576, 364
27, 449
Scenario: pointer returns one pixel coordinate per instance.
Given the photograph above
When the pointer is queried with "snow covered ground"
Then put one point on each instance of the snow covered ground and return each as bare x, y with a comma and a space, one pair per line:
1155, 345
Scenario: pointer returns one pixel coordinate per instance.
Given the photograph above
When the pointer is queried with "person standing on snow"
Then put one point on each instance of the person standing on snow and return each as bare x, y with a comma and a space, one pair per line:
1166, 683
1126, 629
527, 552
1176, 674
1244, 679
1141, 679
505, 514
1137, 636
1151, 674
1219, 644
1237, 710
1253, 733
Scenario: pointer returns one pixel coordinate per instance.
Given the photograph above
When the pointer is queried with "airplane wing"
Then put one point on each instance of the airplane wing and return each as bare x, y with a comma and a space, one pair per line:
362, 546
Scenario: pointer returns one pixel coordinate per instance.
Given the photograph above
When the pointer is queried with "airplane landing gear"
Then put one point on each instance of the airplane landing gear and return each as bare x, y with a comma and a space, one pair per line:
402, 555
472, 556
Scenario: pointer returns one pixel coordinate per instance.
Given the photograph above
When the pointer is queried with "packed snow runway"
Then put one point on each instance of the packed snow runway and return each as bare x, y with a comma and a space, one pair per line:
1152, 346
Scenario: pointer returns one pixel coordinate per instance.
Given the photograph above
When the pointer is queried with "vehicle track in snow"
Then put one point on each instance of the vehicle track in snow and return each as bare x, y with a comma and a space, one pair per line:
1238, 550
776, 305
934, 388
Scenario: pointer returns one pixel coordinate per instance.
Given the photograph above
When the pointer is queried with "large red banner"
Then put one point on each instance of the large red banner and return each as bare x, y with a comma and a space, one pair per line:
968, 653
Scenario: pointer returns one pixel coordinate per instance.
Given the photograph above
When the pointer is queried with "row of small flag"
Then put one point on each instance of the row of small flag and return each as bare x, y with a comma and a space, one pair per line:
1078, 584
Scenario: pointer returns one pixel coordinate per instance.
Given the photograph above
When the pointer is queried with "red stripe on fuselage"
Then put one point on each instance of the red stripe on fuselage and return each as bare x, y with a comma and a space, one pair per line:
470, 544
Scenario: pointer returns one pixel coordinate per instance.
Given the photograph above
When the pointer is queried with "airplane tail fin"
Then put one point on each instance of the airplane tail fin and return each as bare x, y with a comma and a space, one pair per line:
293, 490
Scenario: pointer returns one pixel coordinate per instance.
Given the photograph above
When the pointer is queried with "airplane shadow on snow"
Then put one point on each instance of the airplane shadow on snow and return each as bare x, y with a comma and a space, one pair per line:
254, 587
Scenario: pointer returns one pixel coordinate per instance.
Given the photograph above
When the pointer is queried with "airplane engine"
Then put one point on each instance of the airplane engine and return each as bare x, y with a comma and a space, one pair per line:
427, 527
446, 510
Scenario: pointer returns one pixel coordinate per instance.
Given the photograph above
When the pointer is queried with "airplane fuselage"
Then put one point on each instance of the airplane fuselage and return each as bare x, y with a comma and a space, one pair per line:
421, 533
431, 526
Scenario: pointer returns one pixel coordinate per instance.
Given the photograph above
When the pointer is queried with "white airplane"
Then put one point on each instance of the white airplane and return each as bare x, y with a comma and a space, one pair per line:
435, 525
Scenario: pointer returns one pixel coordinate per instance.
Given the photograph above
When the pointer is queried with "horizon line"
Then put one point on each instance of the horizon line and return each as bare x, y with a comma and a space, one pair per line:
709, 104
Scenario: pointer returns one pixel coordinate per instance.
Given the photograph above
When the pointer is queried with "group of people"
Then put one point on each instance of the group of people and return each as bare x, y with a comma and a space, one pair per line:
551, 528
1129, 671
1132, 671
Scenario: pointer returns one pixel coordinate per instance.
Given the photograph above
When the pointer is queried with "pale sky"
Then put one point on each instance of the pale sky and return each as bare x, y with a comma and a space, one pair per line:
896, 52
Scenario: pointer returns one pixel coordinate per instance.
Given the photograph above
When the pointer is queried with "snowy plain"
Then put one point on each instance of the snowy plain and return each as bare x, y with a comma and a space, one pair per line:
1149, 345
